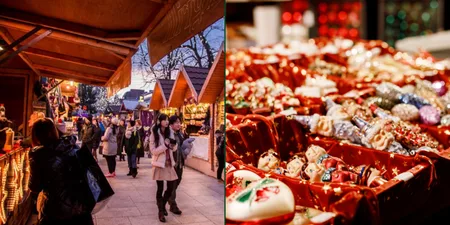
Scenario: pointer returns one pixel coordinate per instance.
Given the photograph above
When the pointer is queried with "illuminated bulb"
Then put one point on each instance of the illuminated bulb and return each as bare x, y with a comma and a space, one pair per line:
71, 83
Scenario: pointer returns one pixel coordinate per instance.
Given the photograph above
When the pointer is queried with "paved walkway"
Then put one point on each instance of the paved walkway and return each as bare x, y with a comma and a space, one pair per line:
200, 197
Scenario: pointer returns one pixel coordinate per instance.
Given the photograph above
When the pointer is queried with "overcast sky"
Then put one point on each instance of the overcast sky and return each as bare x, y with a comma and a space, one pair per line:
215, 38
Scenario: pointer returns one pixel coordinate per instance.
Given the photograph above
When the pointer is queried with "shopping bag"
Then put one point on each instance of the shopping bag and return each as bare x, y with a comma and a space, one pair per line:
99, 186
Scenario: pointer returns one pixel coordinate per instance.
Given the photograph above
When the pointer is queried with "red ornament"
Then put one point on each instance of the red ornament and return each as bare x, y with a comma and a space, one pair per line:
323, 7
332, 32
343, 32
332, 16
323, 19
287, 16
297, 17
323, 30
342, 15
354, 33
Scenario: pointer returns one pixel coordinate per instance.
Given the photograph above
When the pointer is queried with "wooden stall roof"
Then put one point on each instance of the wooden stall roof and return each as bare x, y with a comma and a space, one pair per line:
161, 94
92, 41
215, 81
181, 90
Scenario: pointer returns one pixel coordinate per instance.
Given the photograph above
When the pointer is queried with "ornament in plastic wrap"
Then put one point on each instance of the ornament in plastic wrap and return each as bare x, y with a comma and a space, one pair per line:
429, 115
380, 102
336, 111
414, 100
405, 112
445, 120
354, 109
383, 114
389, 91
269, 161
409, 88
345, 130
317, 124
295, 166
427, 92
237, 180
373, 136
439, 87
267, 201
410, 136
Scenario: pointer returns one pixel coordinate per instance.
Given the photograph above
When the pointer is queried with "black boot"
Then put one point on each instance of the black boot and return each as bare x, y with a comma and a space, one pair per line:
130, 172
134, 174
161, 209
174, 209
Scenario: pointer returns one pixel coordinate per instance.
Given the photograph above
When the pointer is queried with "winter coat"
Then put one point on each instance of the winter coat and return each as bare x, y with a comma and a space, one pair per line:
97, 137
159, 150
110, 141
178, 154
56, 176
131, 142
140, 151
87, 135
120, 137
220, 151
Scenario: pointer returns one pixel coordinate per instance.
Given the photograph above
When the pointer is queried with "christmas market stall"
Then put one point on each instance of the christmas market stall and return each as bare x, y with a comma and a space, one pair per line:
195, 119
354, 128
161, 94
213, 93
87, 41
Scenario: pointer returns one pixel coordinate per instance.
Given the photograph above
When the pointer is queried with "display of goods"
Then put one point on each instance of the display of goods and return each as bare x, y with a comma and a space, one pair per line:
358, 132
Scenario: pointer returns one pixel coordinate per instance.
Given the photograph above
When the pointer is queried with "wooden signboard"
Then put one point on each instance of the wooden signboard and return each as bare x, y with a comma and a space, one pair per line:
183, 21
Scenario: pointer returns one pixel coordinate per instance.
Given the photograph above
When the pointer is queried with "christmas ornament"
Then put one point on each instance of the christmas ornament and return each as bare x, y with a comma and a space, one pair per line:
426, 91
414, 100
380, 102
269, 161
389, 91
373, 134
439, 87
266, 201
317, 124
410, 136
336, 111
445, 120
294, 166
405, 112
237, 180
429, 115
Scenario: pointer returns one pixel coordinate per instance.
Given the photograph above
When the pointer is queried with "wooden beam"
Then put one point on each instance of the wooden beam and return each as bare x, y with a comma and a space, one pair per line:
20, 40
23, 47
70, 59
152, 24
159, 1
128, 36
61, 25
76, 79
72, 38
9, 39
121, 57
71, 73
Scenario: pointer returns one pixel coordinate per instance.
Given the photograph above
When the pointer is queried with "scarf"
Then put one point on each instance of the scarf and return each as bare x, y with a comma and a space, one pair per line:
129, 131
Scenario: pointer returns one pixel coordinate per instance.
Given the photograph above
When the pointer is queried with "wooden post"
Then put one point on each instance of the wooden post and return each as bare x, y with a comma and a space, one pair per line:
211, 133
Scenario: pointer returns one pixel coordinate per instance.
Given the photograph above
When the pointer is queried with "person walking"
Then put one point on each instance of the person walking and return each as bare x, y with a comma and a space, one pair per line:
220, 151
55, 178
140, 150
96, 138
87, 133
110, 147
131, 142
120, 136
184, 148
162, 146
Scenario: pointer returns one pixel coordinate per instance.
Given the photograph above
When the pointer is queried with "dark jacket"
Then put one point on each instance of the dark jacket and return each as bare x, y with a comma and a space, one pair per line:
140, 151
178, 154
131, 143
97, 136
220, 151
120, 137
56, 172
87, 135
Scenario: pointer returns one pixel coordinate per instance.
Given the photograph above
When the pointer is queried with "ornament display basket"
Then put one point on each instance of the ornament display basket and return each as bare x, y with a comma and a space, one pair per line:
411, 180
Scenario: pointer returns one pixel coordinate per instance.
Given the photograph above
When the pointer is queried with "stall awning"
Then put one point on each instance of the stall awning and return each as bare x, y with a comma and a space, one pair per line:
92, 41
215, 81
161, 94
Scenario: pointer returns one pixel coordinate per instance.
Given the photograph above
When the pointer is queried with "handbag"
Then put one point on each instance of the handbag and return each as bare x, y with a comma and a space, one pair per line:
99, 186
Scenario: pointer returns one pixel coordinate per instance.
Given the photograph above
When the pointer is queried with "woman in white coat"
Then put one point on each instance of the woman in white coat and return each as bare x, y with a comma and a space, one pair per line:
110, 147
163, 162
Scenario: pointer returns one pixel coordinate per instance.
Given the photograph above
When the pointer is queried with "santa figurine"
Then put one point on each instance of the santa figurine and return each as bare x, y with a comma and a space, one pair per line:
266, 201
374, 136
318, 155
270, 162
295, 166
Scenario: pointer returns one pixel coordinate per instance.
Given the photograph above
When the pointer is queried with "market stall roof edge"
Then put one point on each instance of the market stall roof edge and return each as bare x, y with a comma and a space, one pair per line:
214, 83
161, 93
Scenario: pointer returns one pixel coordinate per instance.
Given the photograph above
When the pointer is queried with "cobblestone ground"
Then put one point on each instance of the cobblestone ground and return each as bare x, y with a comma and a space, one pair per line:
200, 197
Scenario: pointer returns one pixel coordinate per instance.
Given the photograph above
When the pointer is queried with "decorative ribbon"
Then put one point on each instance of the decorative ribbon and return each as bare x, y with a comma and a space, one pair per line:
420, 158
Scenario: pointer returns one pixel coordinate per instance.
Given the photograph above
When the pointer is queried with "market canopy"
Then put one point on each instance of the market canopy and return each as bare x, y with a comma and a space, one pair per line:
188, 84
161, 94
92, 41
215, 81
